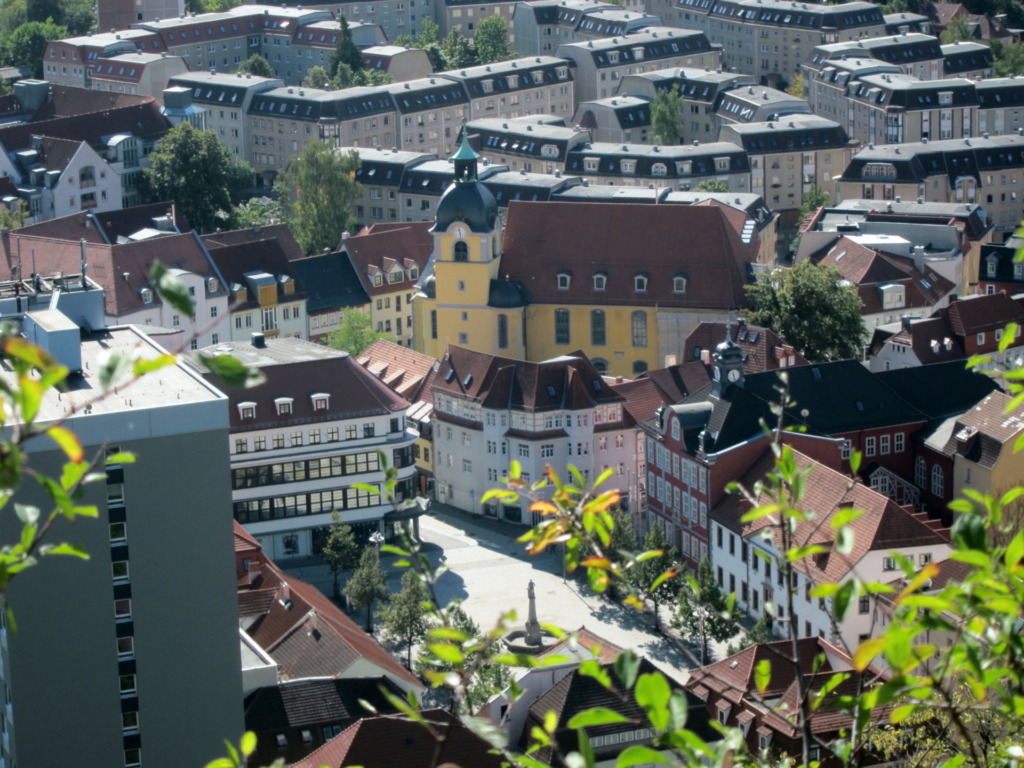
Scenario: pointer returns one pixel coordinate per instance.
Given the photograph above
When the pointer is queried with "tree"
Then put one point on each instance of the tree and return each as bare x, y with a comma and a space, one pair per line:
814, 198
320, 187
404, 618
1008, 59
13, 13
13, 219
704, 613
491, 41
341, 551
812, 308
644, 573
258, 212
666, 117
758, 634
368, 584
257, 66
354, 333
797, 87
458, 53
958, 28
27, 44
196, 171
712, 185
317, 77
346, 51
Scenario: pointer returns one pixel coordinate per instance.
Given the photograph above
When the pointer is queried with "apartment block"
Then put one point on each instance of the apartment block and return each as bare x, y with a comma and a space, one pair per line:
758, 105
616, 119
771, 39
539, 144
826, 88
915, 54
896, 108
790, 156
967, 59
601, 64
1000, 105
465, 15
538, 85
681, 167
540, 26
121, 14
988, 171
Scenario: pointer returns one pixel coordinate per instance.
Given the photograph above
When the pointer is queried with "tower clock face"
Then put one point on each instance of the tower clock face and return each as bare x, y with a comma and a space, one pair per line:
734, 375
460, 233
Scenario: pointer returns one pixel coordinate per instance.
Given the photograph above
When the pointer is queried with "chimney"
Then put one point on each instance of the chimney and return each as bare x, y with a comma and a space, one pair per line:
285, 595
905, 320
253, 572
258, 340
919, 258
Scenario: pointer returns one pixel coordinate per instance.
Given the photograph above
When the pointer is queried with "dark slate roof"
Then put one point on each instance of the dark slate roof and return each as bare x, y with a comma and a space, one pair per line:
141, 120
953, 158
219, 92
426, 93
511, 76
330, 282
315, 701
1005, 260
656, 43
965, 57
309, 104
701, 158
1000, 92
940, 390
789, 134
909, 94
854, 15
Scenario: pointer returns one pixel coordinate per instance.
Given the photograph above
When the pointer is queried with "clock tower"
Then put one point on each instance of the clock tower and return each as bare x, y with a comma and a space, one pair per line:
728, 362
454, 304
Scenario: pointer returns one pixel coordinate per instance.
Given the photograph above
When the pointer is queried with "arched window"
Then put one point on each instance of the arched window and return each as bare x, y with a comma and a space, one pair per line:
640, 283
561, 326
598, 331
938, 481
502, 331
920, 472
601, 365
639, 366
639, 328
659, 169
461, 251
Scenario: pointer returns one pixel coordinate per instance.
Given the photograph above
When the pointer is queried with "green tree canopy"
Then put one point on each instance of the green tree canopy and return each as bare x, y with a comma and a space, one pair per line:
666, 117
644, 573
368, 584
258, 211
404, 618
346, 51
341, 550
957, 29
1008, 59
491, 40
27, 44
814, 198
712, 185
458, 53
79, 16
704, 613
354, 333
320, 188
198, 172
797, 87
813, 309
317, 77
256, 65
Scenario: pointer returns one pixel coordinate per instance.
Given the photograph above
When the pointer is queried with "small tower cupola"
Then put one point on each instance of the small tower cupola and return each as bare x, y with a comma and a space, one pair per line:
728, 361
466, 200
465, 160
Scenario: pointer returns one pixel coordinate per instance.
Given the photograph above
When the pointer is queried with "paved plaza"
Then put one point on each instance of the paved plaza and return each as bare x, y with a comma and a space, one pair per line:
489, 571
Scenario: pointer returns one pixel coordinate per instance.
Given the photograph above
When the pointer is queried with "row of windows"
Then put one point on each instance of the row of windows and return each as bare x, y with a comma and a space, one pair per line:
598, 328
640, 281
297, 471
323, 502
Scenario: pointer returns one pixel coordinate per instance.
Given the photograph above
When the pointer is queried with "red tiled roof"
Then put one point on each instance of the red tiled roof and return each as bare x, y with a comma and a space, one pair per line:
69, 101
679, 381
661, 242
405, 370
380, 249
279, 232
762, 347
643, 398
143, 120
604, 651
390, 742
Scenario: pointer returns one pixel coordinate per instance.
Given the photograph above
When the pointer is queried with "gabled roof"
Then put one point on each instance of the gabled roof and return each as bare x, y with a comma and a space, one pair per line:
144, 121
234, 262
309, 636
695, 242
330, 282
980, 313
279, 232
884, 525
762, 347
387, 742
983, 433
106, 226
312, 701
569, 382
299, 369
643, 398
390, 249
408, 372
678, 381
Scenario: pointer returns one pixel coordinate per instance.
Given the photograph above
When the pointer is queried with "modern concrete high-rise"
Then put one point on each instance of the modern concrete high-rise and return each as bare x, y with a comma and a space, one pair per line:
132, 657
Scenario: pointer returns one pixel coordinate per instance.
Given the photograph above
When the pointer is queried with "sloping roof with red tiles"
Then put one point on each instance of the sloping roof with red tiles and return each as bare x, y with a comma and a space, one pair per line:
943, 13
980, 313
643, 398
69, 101
309, 636
586, 643
931, 339
268, 255
105, 226
762, 348
278, 232
882, 526
382, 249
244, 541
297, 703
983, 433
569, 382
405, 370
679, 381
625, 241
142, 120
388, 742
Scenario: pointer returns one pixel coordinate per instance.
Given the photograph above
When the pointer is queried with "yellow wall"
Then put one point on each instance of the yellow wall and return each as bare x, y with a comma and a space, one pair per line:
618, 351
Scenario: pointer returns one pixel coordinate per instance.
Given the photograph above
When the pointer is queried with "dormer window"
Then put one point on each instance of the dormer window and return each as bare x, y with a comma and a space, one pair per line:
212, 285
893, 296
320, 401
284, 405
395, 276
247, 410
640, 283
659, 169
563, 280
991, 264
147, 295
679, 284
600, 281
378, 279
414, 273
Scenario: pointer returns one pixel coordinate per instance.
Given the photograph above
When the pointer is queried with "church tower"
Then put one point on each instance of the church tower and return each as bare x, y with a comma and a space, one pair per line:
462, 299
728, 362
